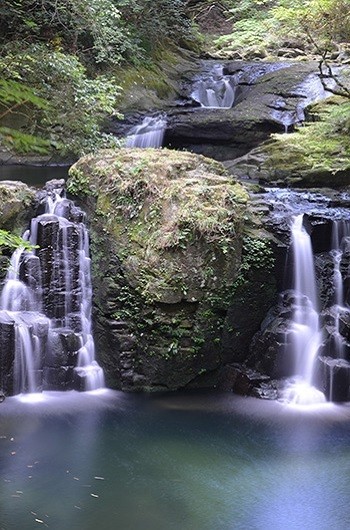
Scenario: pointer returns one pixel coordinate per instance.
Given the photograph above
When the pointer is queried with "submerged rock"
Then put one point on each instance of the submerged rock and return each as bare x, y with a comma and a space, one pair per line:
166, 232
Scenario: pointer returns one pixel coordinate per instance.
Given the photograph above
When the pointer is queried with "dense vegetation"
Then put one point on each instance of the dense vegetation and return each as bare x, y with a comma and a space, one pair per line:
264, 26
62, 61
59, 61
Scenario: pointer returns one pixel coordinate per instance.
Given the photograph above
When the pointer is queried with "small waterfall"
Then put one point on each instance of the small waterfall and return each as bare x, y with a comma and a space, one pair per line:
305, 335
45, 306
16, 295
340, 238
149, 133
215, 90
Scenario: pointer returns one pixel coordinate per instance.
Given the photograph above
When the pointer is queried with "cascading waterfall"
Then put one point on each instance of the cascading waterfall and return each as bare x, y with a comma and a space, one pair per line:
340, 239
305, 335
215, 90
149, 133
45, 308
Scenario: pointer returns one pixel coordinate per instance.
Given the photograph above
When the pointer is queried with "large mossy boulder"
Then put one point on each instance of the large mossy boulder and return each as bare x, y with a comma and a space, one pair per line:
166, 242
16, 208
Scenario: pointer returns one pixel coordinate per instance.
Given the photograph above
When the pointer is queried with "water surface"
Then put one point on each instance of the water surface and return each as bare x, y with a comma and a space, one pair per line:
172, 462
33, 175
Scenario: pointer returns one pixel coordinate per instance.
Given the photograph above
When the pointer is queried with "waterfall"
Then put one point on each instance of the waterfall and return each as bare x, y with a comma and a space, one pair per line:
149, 133
45, 307
340, 239
305, 336
215, 90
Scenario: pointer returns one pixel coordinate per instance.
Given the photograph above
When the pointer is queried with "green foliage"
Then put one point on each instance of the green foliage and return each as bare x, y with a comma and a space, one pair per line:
67, 52
105, 32
78, 183
9, 241
78, 104
23, 143
93, 30
15, 95
321, 23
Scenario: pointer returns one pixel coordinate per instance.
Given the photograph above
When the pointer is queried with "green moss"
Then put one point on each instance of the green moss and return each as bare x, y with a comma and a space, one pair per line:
16, 200
163, 207
320, 147
78, 184
150, 78
171, 223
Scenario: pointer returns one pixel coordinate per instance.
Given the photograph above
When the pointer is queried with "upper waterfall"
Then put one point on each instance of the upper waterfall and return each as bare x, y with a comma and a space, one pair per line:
214, 89
149, 133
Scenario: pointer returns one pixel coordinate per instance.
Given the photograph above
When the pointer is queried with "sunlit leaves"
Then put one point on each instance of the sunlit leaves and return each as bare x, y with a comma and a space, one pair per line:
15, 93
9, 241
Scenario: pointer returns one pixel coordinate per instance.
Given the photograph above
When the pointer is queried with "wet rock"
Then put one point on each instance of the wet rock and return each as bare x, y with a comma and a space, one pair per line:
7, 352
59, 378
332, 377
244, 381
270, 97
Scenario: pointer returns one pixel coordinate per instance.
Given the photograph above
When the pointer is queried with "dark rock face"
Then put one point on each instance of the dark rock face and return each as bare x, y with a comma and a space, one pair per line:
332, 377
7, 340
325, 218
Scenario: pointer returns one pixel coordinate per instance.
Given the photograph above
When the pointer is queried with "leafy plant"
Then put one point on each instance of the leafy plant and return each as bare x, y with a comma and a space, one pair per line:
9, 241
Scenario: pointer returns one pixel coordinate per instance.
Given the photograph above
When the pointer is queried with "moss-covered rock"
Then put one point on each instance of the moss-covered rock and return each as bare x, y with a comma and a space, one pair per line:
166, 232
16, 205
316, 155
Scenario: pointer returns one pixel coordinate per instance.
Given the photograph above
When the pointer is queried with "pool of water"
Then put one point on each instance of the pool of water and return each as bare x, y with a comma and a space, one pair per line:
33, 175
175, 462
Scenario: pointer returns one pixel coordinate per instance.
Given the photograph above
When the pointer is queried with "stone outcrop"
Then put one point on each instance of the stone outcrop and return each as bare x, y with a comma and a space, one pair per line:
166, 242
269, 98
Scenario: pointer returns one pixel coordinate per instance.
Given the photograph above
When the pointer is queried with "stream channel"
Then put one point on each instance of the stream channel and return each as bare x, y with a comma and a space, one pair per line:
183, 461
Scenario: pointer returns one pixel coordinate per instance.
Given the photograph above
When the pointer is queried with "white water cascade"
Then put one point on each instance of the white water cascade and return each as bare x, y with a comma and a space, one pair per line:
215, 90
305, 336
149, 133
340, 243
45, 307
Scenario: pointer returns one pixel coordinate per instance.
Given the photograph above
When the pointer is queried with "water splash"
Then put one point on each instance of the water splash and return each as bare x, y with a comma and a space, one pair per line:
45, 306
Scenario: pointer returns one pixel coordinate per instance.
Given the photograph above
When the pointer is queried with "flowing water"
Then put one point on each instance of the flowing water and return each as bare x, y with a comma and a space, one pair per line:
115, 461
311, 329
305, 334
46, 304
149, 133
214, 89
340, 244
